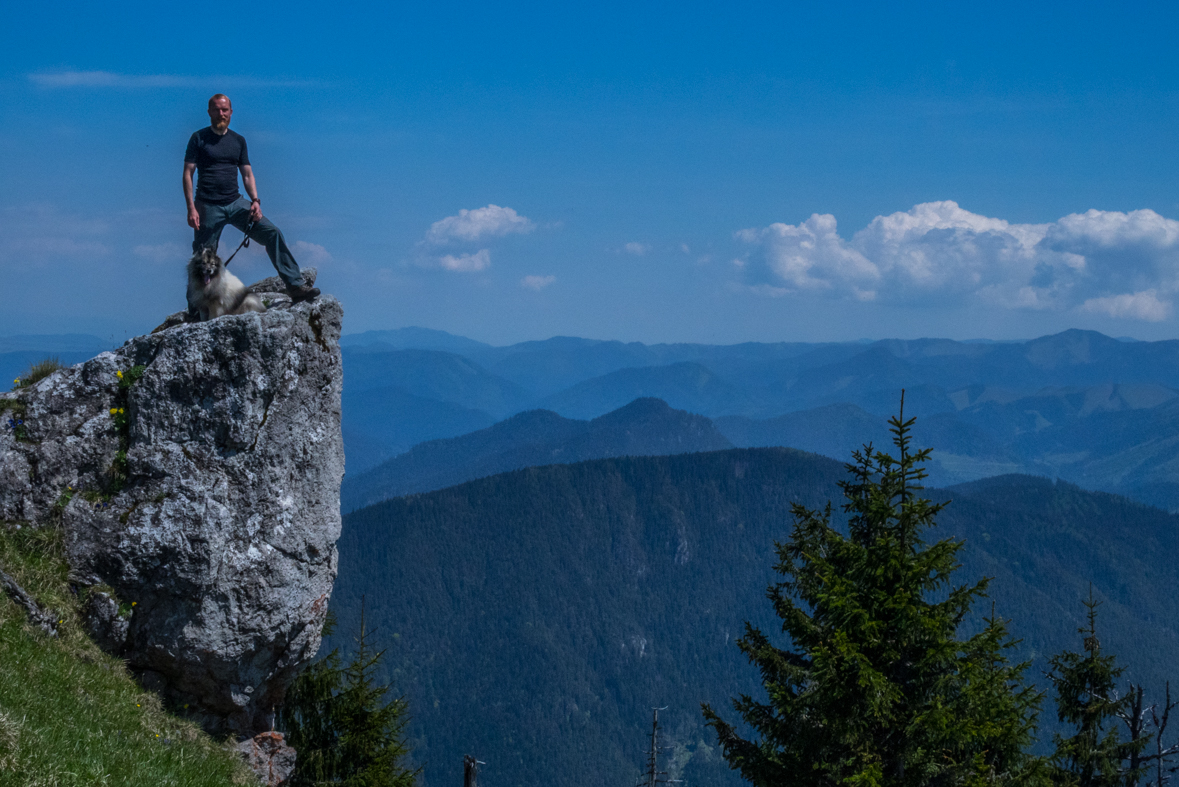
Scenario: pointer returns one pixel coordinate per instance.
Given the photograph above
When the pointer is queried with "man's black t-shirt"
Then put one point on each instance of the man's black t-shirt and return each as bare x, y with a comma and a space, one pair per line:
217, 157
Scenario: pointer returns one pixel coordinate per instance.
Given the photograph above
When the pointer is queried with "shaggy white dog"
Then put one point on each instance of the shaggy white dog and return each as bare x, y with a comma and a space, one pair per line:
214, 291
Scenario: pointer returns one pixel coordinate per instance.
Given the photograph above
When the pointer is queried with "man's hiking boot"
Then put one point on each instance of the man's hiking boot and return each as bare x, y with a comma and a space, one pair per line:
302, 293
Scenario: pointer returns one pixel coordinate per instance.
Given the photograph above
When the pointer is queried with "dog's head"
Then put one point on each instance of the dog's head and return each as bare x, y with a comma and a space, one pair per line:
205, 266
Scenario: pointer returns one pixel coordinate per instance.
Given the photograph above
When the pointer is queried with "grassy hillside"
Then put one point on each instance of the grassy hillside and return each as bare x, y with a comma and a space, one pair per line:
70, 714
533, 618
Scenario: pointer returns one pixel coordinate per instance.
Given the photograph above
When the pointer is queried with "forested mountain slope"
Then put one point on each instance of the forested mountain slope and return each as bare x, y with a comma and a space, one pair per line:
533, 618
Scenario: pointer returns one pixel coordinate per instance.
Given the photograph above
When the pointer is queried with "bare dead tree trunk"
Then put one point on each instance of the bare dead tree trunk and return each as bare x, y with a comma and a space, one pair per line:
1135, 721
1133, 715
1162, 753
470, 771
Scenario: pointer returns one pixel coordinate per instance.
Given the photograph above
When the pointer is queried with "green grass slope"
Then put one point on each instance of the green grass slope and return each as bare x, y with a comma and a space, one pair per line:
70, 714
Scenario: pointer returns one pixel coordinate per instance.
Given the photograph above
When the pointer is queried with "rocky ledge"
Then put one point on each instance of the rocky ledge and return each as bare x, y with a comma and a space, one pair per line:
195, 473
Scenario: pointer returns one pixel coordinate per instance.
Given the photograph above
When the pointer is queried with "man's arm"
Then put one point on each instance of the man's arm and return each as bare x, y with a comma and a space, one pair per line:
252, 190
194, 216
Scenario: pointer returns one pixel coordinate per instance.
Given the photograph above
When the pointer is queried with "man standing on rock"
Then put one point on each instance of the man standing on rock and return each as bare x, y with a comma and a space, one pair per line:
217, 155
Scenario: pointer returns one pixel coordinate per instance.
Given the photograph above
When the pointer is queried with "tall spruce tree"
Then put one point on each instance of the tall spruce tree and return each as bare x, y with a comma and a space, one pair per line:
343, 728
310, 718
873, 685
372, 729
1088, 700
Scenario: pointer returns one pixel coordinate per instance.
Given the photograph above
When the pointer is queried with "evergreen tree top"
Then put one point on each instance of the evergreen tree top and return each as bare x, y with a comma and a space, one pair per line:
874, 685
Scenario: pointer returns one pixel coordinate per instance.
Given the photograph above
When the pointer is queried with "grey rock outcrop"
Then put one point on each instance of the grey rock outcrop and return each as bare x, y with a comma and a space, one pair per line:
196, 472
103, 622
269, 756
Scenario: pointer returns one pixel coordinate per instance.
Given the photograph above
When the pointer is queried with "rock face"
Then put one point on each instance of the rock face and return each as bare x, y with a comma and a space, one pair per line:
104, 624
202, 486
269, 756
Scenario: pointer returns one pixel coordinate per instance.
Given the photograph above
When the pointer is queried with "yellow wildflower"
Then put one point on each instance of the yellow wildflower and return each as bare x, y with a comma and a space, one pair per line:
114, 410
119, 374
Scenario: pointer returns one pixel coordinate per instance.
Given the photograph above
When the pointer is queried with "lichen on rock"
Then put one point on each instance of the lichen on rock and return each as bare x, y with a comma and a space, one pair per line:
205, 494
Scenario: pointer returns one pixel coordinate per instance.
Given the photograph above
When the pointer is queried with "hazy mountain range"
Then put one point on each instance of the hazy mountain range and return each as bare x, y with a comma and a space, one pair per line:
1079, 405
645, 427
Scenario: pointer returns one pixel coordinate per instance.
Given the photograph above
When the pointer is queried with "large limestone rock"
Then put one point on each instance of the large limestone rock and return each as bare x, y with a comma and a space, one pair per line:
210, 504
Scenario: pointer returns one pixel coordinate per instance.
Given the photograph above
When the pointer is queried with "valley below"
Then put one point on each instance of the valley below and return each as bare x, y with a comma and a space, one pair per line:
597, 547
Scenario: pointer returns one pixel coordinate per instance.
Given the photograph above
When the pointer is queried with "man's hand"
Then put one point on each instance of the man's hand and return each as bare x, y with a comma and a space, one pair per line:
194, 217
251, 187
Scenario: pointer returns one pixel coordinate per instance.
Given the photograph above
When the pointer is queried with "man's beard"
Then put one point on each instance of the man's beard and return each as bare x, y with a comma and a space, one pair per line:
220, 125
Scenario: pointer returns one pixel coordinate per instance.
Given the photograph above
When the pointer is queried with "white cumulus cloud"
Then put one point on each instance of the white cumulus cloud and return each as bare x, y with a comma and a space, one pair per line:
637, 249
467, 263
537, 283
1139, 306
310, 253
472, 225
1121, 264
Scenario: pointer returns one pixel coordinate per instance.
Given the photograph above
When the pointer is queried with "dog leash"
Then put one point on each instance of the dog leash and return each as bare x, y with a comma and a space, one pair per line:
245, 242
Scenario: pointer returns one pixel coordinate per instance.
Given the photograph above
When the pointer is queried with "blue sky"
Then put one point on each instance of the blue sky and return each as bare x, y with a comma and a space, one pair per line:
651, 172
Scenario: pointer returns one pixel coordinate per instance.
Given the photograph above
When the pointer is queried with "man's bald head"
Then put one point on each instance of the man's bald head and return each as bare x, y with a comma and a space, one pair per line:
220, 97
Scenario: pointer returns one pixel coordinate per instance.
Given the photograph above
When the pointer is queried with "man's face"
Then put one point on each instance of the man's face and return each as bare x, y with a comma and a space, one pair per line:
219, 113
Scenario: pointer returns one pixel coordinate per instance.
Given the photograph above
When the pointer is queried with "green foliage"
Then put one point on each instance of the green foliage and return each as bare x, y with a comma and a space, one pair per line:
16, 419
338, 720
308, 715
70, 715
875, 686
58, 508
38, 372
118, 473
130, 377
1087, 700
